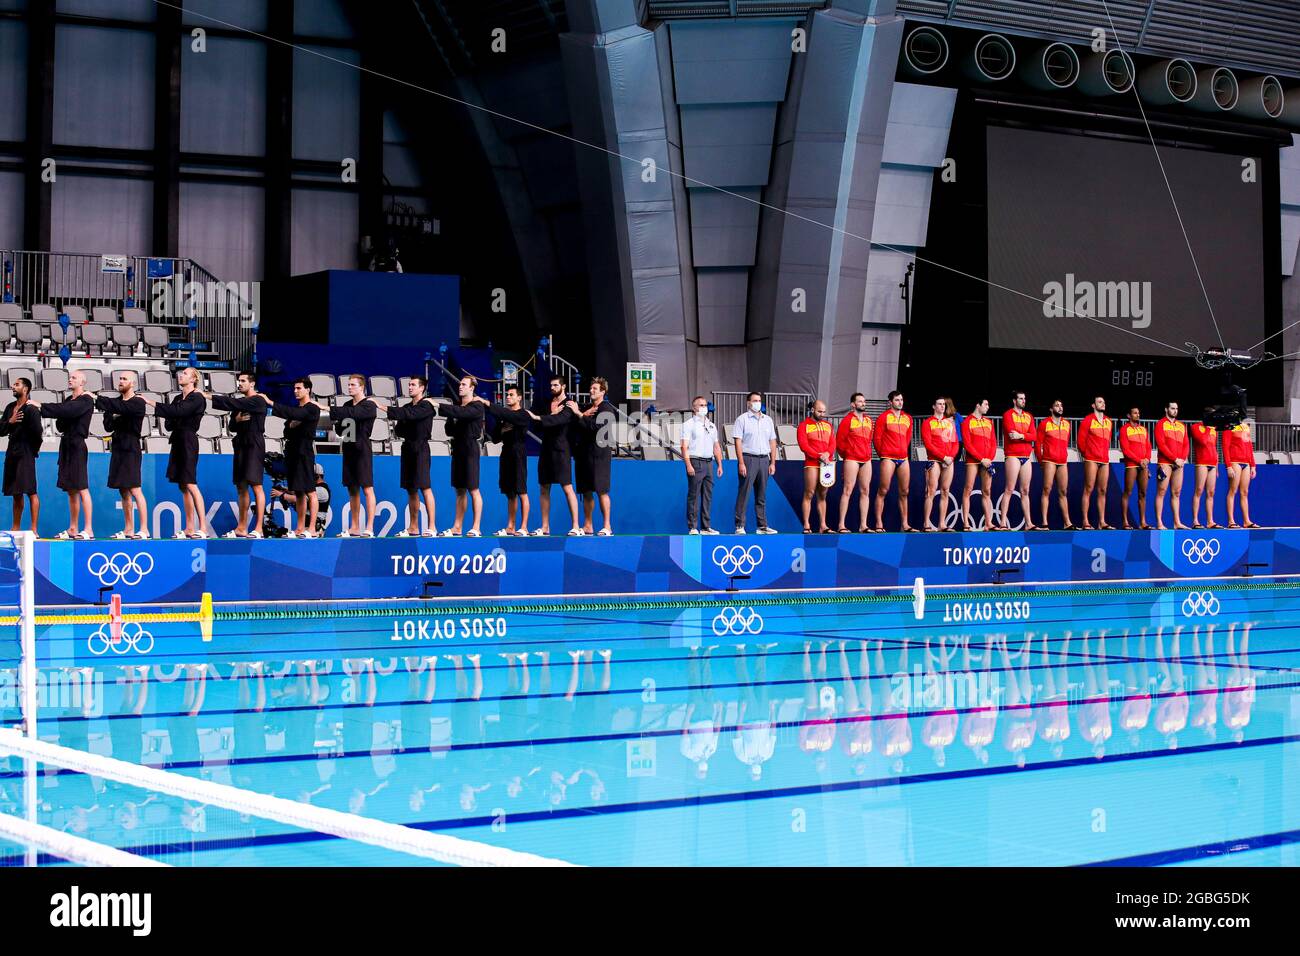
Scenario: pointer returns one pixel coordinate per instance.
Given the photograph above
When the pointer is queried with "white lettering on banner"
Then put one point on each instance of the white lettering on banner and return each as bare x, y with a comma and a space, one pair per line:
447, 628
409, 564
1013, 554
957, 613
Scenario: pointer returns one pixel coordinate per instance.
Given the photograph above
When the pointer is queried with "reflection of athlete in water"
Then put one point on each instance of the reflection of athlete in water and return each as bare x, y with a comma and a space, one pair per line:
894, 728
982, 717
703, 713
817, 728
1171, 712
1135, 710
1021, 722
1239, 692
1205, 685
1053, 707
754, 740
1095, 726
856, 736
939, 729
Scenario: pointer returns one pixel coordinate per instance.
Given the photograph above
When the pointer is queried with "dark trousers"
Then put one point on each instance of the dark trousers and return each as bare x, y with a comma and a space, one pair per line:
756, 476
699, 493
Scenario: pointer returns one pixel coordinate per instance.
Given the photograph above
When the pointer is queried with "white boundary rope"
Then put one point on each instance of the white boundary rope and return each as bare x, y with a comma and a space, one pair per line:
348, 826
74, 849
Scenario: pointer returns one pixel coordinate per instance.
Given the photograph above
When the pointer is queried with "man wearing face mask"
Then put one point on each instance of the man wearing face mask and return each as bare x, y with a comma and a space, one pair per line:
700, 449
755, 438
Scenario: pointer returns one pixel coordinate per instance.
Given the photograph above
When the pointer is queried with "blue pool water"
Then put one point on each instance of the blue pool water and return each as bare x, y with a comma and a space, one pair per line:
1035, 728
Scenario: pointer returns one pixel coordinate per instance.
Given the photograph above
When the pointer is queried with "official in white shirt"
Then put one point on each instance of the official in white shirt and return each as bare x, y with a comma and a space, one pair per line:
700, 450
755, 437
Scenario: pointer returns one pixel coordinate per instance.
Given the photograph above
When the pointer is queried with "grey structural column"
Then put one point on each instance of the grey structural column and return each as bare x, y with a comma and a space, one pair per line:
807, 297
634, 209
729, 79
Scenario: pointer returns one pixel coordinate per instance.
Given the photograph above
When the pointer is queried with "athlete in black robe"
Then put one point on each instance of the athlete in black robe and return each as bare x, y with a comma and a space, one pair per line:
301, 421
124, 417
182, 417
594, 430
413, 424
555, 465
72, 419
353, 423
248, 425
465, 426
511, 430
22, 425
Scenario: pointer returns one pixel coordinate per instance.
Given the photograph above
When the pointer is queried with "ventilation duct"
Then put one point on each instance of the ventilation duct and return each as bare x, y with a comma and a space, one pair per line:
925, 51
1054, 66
992, 59
1167, 82
1262, 98
1106, 74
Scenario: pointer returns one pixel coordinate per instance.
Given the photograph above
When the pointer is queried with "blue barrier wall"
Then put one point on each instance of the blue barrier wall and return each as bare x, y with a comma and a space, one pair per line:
648, 497
172, 571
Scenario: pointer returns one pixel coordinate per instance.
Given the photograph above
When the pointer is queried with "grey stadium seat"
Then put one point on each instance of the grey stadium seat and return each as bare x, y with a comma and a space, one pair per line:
157, 445
11, 312
50, 445
30, 336
94, 379
103, 314
440, 449
125, 337
54, 379
76, 314
381, 430
158, 380
209, 427
6, 336
156, 338
274, 427
43, 395
223, 383
322, 385
135, 317
45, 314
383, 386
94, 337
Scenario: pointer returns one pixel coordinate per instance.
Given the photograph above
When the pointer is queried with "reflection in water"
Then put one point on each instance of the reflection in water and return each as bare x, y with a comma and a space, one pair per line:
515, 732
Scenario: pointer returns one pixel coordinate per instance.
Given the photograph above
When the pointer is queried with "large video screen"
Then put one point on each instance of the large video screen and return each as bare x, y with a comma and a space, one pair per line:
1085, 224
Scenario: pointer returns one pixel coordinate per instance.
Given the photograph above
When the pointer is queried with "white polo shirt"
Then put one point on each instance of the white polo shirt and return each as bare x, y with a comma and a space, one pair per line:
755, 432
700, 435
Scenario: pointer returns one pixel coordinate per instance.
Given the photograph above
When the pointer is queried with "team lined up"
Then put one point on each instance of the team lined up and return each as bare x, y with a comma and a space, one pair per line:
569, 447
860, 442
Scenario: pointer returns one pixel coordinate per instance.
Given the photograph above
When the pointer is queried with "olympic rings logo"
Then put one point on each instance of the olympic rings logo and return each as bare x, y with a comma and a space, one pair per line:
1201, 550
120, 568
737, 559
139, 640
1200, 604
737, 621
